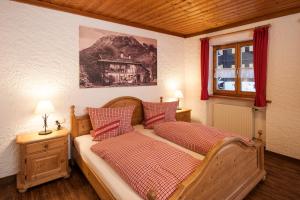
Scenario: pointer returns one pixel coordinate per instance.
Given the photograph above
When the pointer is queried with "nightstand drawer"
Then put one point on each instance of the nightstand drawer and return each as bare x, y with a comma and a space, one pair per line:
45, 145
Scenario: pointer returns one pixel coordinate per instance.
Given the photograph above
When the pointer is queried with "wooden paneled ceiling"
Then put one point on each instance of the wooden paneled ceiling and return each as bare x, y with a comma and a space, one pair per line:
182, 18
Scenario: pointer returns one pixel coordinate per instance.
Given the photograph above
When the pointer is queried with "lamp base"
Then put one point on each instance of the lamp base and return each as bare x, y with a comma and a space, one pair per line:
178, 108
45, 132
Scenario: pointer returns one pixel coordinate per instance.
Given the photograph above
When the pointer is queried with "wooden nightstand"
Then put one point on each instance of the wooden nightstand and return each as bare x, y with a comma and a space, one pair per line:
183, 115
42, 158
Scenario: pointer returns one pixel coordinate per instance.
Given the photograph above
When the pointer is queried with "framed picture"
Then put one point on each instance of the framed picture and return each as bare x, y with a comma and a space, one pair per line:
111, 59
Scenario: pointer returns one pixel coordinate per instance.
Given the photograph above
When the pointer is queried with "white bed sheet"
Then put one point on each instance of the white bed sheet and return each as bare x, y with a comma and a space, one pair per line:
119, 188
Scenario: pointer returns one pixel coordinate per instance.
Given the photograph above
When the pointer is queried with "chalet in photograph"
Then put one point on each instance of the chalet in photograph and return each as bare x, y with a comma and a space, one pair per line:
123, 71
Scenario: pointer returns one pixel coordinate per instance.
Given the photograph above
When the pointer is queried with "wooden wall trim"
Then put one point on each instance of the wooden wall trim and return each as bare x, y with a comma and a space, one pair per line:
96, 16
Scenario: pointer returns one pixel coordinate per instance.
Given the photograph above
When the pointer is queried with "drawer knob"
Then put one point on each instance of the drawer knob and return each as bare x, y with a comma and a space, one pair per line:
46, 146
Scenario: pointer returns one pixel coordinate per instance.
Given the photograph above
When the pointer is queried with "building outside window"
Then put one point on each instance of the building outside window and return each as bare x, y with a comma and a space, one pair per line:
233, 69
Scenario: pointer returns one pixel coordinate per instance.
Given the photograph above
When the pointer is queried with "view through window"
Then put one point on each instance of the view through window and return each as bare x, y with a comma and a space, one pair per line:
233, 69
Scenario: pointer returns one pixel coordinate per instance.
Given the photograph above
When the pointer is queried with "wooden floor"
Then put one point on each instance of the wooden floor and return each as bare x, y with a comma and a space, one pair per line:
282, 183
283, 179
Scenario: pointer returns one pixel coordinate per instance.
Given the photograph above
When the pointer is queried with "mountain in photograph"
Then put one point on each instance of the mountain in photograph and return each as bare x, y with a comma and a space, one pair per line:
118, 60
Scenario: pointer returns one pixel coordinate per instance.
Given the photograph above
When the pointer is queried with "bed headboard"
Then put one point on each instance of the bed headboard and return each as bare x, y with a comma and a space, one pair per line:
81, 125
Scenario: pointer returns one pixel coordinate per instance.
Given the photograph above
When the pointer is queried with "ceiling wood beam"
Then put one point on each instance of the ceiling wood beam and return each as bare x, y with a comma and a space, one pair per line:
215, 22
241, 23
160, 9
214, 16
124, 10
199, 10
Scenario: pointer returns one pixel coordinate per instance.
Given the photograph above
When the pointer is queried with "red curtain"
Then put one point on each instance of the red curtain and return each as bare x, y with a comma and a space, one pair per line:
204, 68
260, 46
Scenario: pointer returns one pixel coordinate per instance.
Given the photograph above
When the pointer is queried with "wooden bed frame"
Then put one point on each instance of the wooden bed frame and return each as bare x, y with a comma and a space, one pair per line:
229, 171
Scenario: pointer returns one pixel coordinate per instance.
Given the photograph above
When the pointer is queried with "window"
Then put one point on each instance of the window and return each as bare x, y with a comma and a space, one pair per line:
233, 70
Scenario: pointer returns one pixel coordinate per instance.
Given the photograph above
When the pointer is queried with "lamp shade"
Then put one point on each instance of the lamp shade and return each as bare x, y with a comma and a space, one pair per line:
178, 94
44, 107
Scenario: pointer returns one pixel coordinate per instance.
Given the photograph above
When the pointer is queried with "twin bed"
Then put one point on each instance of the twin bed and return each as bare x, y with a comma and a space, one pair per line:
228, 171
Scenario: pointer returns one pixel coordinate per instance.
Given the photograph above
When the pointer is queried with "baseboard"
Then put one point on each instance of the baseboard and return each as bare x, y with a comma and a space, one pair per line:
281, 156
7, 179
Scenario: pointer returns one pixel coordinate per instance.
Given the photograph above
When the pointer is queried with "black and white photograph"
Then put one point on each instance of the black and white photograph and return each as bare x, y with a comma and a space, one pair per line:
111, 59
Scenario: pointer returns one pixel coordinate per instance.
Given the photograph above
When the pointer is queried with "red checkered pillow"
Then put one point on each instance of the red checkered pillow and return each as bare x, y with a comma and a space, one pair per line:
155, 113
105, 120
194, 136
106, 129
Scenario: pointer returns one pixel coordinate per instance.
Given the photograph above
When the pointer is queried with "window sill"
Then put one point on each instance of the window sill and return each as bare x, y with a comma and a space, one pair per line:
231, 97
235, 98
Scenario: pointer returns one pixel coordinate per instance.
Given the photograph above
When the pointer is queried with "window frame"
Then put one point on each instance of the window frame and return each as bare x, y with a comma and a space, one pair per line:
237, 92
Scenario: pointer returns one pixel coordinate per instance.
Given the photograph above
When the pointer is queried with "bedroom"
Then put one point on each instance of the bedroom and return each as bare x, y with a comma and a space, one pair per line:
40, 61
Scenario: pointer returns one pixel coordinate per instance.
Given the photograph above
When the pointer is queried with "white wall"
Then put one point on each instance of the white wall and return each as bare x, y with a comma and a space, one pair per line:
281, 122
39, 59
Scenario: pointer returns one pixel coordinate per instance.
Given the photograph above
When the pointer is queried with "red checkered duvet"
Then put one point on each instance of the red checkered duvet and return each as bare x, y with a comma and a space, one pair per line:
193, 136
146, 164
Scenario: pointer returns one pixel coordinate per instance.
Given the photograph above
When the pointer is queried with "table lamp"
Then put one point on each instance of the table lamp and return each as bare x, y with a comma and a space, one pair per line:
44, 108
178, 95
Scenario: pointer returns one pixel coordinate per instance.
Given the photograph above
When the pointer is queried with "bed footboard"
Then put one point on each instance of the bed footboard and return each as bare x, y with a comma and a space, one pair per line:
229, 171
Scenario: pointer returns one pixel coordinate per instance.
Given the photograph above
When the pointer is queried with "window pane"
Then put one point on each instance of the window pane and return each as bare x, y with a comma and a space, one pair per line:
246, 69
225, 73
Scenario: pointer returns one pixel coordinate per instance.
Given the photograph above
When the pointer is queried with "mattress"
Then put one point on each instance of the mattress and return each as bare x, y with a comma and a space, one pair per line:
119, 188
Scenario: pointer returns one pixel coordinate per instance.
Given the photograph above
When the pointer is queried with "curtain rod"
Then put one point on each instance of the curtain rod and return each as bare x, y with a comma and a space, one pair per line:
249, 29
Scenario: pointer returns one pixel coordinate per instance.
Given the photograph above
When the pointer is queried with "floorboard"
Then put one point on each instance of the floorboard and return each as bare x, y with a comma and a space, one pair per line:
282, 183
